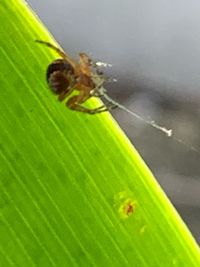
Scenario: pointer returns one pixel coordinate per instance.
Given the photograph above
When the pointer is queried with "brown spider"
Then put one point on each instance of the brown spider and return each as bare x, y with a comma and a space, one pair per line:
66, 75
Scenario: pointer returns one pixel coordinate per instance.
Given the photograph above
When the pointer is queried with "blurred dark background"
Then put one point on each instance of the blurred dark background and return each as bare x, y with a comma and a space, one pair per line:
154, 47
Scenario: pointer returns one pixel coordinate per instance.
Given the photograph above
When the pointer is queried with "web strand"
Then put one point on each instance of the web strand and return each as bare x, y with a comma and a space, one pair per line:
167, 132
153, 124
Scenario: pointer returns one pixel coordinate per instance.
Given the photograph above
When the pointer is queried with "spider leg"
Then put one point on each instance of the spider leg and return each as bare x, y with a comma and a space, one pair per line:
65, 93
102, 109
98, 90
59, 51
75, 103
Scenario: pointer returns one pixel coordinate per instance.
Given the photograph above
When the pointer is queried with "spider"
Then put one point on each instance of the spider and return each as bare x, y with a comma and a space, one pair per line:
65, 75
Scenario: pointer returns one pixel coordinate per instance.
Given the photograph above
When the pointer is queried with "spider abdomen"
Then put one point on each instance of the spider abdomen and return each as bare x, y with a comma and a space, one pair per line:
58, 74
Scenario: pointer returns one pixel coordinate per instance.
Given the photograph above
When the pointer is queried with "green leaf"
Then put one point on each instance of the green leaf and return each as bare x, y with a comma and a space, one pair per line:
73, 190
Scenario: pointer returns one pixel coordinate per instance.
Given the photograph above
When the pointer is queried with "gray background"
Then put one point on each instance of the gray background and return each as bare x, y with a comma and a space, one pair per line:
154, 46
